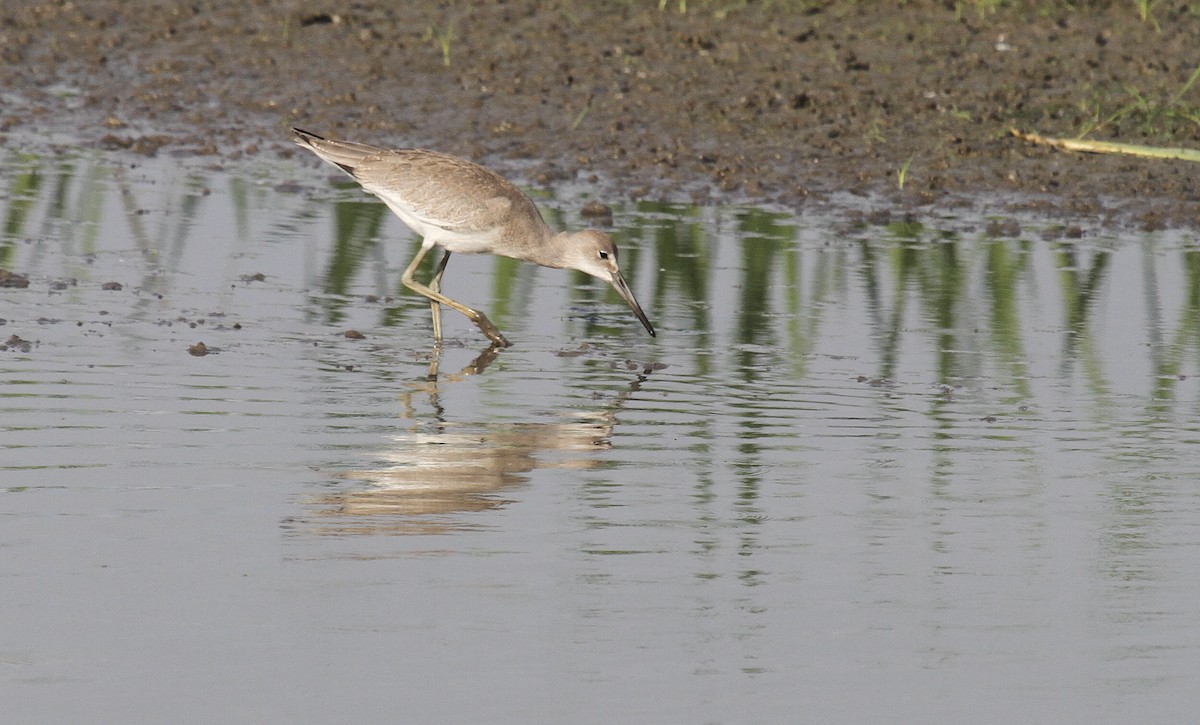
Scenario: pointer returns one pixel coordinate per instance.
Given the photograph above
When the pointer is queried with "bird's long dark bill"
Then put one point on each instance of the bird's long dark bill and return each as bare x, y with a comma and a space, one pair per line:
622, 289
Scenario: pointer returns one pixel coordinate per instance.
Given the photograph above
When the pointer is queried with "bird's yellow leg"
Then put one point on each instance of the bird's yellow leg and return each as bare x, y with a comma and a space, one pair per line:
481, 321
435, 307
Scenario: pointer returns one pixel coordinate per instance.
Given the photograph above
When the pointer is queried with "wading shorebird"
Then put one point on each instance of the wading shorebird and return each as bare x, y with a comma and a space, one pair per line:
466, 209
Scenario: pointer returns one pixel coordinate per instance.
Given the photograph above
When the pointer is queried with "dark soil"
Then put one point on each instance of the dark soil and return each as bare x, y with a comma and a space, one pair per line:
784, 102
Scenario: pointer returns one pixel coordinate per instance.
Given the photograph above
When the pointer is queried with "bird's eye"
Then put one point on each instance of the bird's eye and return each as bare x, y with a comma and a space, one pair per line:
603, 254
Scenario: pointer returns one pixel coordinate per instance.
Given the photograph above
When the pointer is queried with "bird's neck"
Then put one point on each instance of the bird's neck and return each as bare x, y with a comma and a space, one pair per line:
552, 249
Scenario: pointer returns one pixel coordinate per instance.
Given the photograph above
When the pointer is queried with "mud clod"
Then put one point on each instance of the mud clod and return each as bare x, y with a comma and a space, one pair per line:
13, 280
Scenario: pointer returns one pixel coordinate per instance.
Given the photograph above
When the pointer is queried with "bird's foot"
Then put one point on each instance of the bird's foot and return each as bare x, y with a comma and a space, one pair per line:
486, 327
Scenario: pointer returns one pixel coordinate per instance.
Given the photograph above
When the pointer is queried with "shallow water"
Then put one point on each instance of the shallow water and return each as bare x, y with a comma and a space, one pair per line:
933, 470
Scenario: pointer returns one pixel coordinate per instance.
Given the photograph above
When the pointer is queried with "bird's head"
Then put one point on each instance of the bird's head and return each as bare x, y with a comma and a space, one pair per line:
593, 252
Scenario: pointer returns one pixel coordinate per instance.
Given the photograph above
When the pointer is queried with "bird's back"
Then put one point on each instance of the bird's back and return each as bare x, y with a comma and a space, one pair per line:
459, 204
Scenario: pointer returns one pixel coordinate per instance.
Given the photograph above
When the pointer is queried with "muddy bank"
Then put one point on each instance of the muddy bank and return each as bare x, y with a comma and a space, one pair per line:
771, 102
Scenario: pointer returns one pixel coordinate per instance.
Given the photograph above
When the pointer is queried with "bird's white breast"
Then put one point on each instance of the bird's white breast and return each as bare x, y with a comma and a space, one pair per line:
443, 232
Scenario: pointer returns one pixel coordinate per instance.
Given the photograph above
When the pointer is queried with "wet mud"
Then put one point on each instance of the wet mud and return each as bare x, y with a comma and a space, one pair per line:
905, 105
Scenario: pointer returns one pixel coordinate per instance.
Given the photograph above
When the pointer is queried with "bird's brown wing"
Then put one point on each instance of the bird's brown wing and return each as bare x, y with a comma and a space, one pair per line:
442, 190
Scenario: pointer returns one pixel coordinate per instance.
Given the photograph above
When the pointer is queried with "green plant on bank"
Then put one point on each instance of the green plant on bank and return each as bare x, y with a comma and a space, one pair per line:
982, 7
722, 8
875, 131
1150, 114
580, 116
1145, 10
443, 37
902, 173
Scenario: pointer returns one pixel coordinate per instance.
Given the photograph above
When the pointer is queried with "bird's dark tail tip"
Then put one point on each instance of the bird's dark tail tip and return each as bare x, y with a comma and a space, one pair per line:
302, 136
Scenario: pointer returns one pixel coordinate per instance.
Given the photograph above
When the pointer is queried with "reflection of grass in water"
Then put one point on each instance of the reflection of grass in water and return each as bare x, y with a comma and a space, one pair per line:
53, 183
1187, 335
357, 227
679, 235
1081, 277
934, 268
1006, 266
22, 193
781, 280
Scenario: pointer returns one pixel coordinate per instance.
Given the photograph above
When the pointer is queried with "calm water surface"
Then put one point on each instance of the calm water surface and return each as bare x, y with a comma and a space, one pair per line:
942, 470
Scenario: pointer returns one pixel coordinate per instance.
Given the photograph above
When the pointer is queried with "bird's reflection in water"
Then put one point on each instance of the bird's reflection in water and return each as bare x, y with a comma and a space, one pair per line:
432, 478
